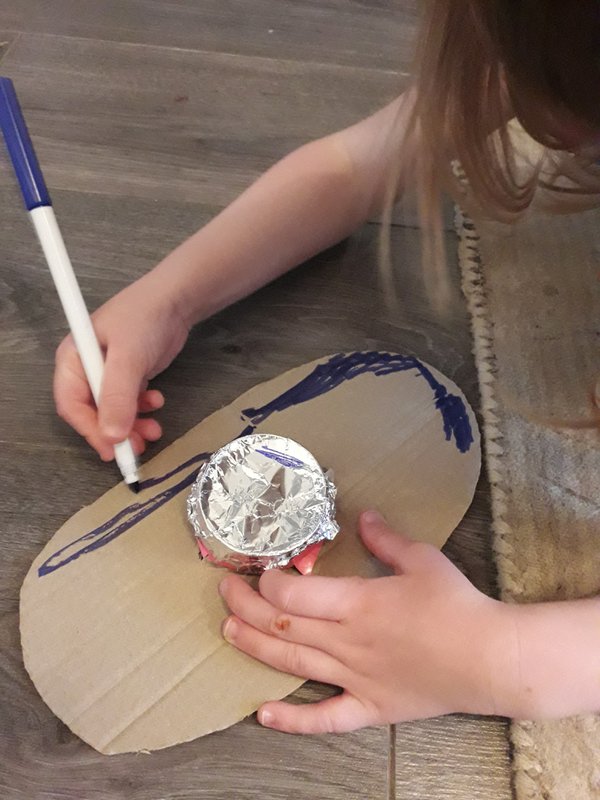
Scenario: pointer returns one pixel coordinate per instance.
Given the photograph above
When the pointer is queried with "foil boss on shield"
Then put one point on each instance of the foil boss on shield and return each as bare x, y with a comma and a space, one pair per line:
260, 502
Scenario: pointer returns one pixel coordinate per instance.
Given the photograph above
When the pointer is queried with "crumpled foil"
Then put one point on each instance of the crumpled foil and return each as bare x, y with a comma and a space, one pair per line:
259, 502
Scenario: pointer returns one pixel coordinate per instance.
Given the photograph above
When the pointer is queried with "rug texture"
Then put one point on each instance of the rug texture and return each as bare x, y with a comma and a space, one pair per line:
534, 297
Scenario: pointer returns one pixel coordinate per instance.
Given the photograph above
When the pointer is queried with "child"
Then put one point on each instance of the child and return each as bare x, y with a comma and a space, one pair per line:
400, 647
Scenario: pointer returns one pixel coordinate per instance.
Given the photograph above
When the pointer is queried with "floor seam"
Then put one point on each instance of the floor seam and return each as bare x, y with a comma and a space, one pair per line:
391, 778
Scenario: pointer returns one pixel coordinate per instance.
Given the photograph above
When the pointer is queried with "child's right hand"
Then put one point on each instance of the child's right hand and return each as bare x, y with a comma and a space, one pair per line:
140, 333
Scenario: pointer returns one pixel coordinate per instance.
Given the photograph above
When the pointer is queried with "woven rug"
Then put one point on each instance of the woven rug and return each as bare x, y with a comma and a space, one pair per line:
534, 297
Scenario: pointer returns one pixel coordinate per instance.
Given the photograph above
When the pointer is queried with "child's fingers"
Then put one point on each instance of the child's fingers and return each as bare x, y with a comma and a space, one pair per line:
392, 548
389, 547
74, 401
145, 430
72, 394
150, 400
83, 418
79, 414
148, 428
119, 395
338, 714
311, 595
104, 449
252, 608
75, 404
295, 659
138, 442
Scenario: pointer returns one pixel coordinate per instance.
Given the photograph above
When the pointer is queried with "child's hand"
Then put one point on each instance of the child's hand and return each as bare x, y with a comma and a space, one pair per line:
414, 645
140, 334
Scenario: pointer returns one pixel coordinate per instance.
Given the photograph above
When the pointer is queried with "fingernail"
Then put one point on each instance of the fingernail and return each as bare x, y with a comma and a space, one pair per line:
372, 517
230, 628
266, 718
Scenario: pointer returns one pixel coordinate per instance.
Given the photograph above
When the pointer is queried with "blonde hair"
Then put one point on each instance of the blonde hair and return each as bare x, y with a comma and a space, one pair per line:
481, 62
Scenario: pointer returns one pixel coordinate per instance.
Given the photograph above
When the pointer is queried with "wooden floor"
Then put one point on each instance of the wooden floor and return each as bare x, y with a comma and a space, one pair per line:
149, 116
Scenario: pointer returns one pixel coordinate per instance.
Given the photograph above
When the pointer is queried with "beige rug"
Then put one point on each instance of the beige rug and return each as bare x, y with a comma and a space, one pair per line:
534, 297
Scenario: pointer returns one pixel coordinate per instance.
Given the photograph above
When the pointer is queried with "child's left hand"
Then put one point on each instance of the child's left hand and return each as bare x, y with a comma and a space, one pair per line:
417, 644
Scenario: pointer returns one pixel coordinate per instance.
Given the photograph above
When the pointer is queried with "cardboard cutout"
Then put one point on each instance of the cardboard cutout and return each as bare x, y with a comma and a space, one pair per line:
120, 620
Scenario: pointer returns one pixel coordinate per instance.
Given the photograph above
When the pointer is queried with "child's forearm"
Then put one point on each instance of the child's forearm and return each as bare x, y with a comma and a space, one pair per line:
556, 656
302, 205
308, 201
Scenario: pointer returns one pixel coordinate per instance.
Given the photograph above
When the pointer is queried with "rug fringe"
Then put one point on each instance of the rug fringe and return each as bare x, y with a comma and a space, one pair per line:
527, 768
474, 289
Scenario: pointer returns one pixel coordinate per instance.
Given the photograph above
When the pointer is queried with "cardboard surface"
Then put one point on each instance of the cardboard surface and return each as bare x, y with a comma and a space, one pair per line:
120, 620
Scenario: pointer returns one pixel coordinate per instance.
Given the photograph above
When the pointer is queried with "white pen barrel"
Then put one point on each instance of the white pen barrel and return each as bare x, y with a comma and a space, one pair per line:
70, 296
37, 202
89, 350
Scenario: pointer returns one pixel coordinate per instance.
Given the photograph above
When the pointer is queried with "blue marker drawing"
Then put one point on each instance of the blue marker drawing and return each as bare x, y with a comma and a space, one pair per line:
325, 377
344, 367
123, 520
281, 458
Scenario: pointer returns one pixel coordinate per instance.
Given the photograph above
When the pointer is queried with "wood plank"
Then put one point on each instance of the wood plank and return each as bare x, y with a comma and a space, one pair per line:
102, 134
118, 119
366, 33
453, 758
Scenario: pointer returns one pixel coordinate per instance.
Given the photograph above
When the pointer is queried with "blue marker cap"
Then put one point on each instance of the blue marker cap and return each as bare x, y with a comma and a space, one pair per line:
20, 148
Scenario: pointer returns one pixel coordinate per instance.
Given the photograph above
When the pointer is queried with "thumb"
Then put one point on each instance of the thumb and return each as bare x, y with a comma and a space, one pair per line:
393, 548
338, 714
119, 396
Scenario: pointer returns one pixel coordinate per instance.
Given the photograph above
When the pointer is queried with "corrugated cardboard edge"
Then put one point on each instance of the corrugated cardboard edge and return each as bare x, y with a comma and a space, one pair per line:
527, 769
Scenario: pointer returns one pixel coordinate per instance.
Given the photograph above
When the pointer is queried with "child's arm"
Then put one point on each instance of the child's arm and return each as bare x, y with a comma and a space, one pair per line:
558, 660
310, 200
421, 643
